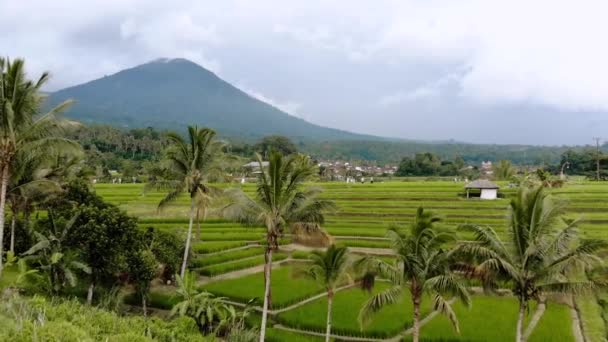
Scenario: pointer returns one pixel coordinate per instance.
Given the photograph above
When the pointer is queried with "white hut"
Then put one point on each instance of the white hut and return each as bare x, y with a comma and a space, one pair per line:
254, 166
489, 190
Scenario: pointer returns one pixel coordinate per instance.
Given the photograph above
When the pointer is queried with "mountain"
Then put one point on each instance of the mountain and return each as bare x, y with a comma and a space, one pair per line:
173, 93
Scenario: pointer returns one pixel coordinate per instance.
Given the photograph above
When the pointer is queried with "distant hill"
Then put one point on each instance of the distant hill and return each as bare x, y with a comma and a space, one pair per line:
172, 93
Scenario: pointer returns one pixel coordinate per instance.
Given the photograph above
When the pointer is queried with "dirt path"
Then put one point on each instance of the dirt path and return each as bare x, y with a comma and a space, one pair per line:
352, 237
577, 328
363, 250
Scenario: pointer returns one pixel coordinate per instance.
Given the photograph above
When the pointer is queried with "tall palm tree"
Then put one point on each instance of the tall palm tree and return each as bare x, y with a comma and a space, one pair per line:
22, 130
423, 266
32, 181
190, 164
543, 253
330, 268
280, 203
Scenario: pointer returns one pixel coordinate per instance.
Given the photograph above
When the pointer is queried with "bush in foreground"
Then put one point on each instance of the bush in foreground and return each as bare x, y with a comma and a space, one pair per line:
38, 318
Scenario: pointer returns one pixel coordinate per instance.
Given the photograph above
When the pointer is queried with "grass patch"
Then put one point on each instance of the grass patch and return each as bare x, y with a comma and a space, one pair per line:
206, 260
216, 246
494, 319
591, 315
230, 266
287, 287
387, 322
276, 335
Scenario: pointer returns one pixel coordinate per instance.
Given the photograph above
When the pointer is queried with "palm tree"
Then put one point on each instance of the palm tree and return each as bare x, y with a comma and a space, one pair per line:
190, 164
423, 266
32, 180
280, 203
208, 312
22, 131
503, 170
330, 268
59, 263
542, 255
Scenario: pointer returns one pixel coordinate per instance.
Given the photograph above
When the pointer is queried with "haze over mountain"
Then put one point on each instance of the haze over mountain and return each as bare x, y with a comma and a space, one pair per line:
173, 93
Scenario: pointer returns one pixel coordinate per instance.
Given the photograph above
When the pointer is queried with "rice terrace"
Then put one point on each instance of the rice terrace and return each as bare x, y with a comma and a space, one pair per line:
303, 171
229, 256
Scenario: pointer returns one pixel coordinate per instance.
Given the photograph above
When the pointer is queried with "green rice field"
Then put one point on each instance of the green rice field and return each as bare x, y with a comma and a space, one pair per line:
365, 211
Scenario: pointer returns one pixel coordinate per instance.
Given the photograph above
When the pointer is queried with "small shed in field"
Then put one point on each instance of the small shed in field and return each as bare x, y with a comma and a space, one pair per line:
488, 190
254, 166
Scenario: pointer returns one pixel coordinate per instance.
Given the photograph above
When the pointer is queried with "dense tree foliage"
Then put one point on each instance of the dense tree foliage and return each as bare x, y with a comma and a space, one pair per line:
277, 143
583, 163
168, 249
429, 164
142, 266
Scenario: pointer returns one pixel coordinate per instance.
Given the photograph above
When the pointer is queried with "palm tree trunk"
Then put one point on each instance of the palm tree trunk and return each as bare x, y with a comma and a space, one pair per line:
267, 275
330, 300
12, 248
538, 314
3, 187
188, 239
90, 293
520, 322
416, 325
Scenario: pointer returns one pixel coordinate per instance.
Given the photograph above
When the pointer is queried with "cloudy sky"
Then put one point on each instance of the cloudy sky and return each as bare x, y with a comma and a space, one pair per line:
472, 70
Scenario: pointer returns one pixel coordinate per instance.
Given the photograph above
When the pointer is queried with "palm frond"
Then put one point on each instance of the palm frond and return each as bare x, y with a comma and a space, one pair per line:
445, 308
378, 301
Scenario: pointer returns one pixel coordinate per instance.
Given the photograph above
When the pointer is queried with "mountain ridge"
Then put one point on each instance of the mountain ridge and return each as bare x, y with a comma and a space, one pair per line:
173, 93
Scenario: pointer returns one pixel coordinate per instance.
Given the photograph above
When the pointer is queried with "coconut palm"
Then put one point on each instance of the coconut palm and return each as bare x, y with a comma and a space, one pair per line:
543, 253
32, 181
423, 266
190, 164
281, 203
503, 170
208, 312
22, 130
330, 268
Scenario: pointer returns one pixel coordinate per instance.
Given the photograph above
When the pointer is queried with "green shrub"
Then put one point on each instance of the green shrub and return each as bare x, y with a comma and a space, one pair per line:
168, 248
68, 320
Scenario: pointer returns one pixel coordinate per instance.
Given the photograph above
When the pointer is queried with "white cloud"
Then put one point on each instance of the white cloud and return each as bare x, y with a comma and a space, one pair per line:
542, 52
428, 91
289, 107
